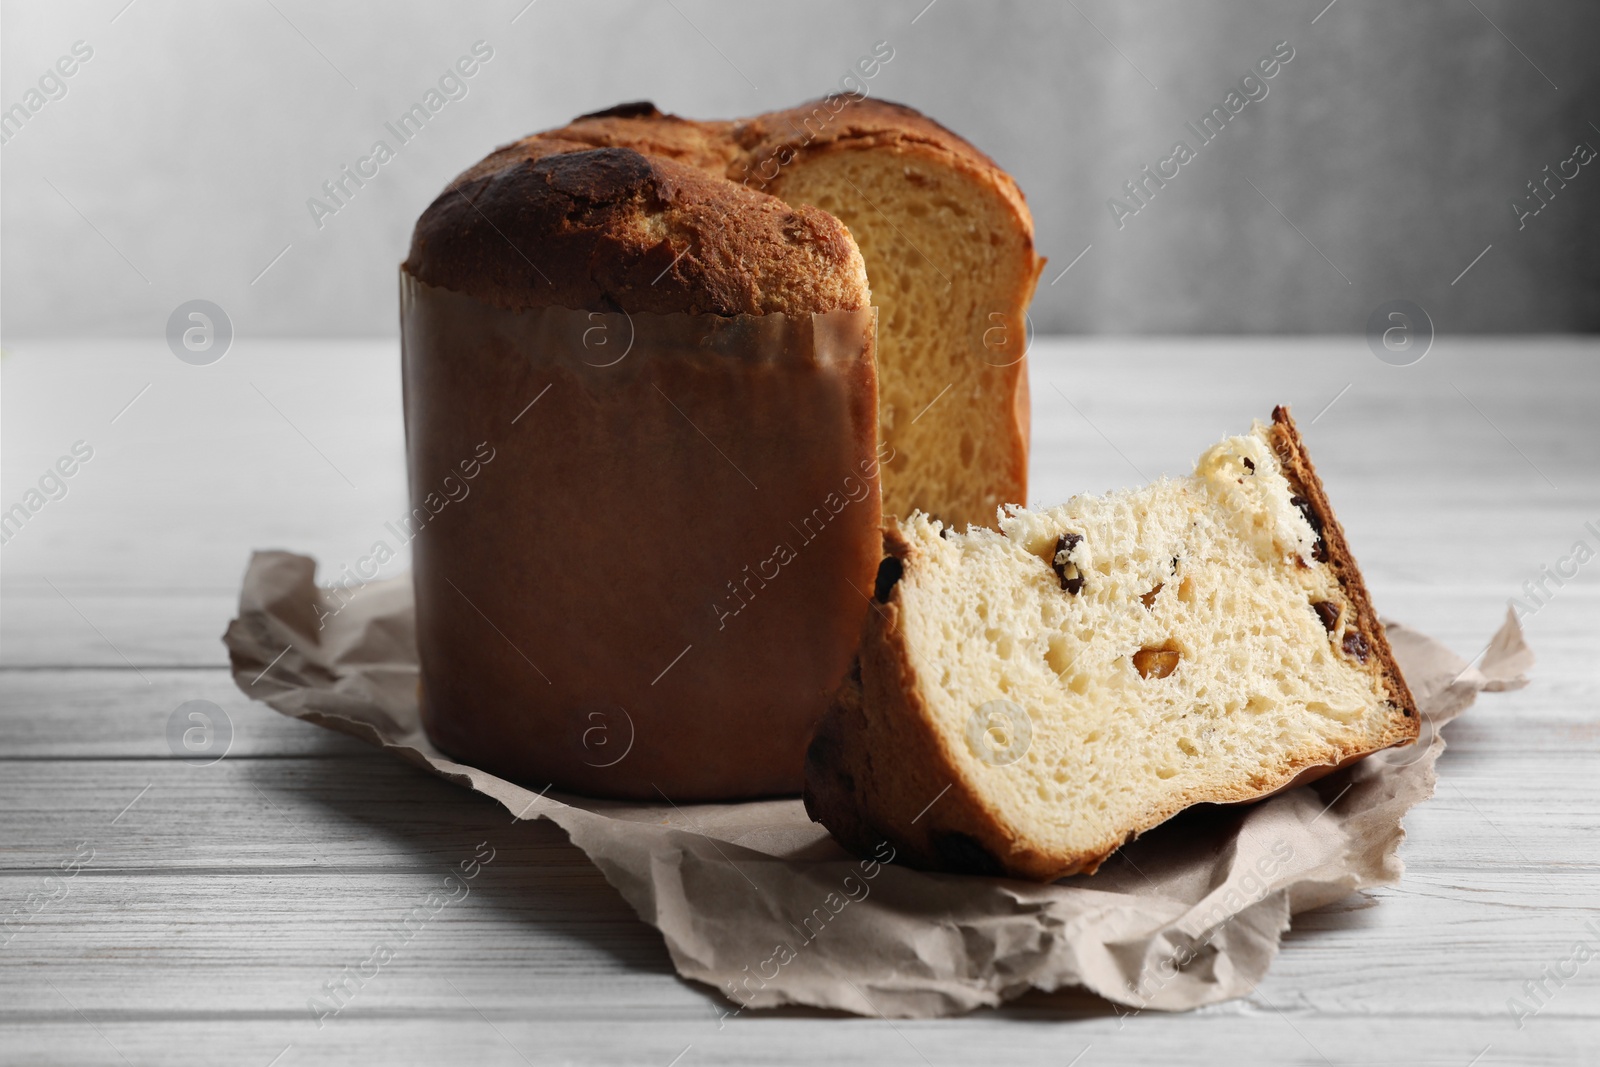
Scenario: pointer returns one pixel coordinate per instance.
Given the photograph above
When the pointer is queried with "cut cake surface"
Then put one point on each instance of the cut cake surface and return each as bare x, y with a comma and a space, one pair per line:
1026, 701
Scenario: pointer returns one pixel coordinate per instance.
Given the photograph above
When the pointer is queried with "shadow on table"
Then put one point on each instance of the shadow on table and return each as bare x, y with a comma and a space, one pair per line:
535, 877
539, 879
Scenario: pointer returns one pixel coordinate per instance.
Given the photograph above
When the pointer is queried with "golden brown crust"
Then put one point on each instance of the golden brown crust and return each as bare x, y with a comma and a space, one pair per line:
754, 152
830, 785
1296, 462
551, 222
919, 801
706, 144
842, 122
523, 229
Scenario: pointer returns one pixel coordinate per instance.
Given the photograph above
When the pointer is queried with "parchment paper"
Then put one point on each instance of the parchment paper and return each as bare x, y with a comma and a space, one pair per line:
758, 901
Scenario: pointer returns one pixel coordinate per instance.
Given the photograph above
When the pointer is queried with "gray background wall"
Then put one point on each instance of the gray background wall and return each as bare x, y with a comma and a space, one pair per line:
179, 162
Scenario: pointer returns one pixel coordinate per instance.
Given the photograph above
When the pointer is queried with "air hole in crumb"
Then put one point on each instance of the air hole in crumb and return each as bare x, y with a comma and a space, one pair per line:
1057, 656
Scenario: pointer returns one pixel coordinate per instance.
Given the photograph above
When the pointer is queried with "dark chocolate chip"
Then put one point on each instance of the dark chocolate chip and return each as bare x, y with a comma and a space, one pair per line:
1072, 582
1329, 613
1250, 464
963, 853
1355, 645
889, 572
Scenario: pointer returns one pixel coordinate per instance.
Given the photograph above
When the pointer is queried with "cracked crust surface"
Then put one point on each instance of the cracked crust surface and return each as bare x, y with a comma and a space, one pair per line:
549, 222
754, 152
623, 210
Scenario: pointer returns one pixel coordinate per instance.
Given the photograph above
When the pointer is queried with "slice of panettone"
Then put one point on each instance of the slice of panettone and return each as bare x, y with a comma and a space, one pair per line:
1027, 701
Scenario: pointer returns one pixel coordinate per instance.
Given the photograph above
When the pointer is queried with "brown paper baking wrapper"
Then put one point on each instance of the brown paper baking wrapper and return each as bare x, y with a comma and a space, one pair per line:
671, 554
759, 902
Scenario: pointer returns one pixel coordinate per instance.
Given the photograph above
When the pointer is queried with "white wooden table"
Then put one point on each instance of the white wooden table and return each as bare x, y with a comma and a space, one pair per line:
213, 902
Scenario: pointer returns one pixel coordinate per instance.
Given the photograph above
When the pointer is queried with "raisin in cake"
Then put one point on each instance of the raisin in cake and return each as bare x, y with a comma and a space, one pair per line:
1027, 701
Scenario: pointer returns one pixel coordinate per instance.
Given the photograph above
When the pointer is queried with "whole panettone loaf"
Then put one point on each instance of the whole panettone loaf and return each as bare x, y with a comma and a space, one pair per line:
660, 578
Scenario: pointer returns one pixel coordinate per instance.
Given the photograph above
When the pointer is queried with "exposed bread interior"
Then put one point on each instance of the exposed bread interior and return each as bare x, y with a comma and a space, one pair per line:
1094, 668
950, 271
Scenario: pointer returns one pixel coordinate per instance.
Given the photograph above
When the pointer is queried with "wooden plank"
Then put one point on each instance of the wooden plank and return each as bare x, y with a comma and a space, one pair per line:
333, 814
73, 713
282, 443
1493, 811
137, 628
539, 940
1262, 1037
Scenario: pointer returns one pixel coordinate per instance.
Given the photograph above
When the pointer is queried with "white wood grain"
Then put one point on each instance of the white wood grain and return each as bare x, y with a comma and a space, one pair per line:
355, 811
258, 938
56, 713
1263, 1037
217, 903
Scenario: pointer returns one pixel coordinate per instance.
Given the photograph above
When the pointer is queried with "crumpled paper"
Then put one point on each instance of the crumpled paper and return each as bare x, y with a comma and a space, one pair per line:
758, 901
